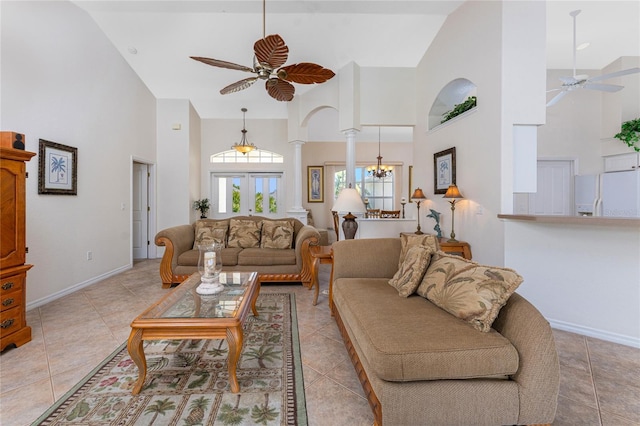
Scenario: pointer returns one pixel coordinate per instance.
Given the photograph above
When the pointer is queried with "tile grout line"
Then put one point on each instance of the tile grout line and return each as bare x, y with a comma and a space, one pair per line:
593, 380
46, 354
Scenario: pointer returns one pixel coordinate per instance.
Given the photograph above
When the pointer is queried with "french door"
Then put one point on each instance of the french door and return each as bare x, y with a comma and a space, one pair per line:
244, 194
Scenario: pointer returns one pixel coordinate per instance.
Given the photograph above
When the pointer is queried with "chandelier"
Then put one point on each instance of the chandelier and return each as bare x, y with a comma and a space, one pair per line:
244, 146
380, 170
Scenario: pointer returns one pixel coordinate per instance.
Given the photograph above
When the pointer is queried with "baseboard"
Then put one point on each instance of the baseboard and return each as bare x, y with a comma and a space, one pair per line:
74, 288
596, 333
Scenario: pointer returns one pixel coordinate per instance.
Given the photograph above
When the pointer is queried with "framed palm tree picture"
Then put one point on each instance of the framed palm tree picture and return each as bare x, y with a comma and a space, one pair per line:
57, 169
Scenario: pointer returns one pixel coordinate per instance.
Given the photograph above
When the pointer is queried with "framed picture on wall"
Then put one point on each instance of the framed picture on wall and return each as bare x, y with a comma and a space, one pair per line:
57, 169
444, 170
315, 184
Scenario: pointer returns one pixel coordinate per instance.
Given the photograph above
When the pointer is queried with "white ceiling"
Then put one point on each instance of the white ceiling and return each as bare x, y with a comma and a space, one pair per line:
373, 33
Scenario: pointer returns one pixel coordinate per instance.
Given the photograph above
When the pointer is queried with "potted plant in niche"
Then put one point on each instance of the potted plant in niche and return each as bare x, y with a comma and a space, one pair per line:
458, 109
202, 206
630, 133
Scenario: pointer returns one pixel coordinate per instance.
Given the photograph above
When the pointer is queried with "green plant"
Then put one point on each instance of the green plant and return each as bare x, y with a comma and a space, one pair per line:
460, 108
630, 133
202, 206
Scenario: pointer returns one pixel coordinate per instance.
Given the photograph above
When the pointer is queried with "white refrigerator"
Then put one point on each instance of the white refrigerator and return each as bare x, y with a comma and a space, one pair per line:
613, 194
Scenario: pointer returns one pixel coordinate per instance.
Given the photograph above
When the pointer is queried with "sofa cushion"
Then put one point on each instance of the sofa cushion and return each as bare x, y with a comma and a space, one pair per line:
266, 256
244, 233
408, 277
209, 231
408, 339
441, 268
411, 240
276, 234
472, 292
190, 257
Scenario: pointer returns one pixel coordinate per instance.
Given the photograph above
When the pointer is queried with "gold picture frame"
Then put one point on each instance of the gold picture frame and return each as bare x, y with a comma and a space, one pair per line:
315, 184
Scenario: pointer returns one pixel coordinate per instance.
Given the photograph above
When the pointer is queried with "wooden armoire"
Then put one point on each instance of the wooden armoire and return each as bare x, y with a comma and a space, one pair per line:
13, 269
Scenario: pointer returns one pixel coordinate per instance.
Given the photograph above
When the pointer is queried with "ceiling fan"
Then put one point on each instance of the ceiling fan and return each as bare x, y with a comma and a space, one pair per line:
582, 81
270, 53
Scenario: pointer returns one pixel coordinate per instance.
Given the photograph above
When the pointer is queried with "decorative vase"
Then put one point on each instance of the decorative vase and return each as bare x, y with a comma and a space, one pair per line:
209, 267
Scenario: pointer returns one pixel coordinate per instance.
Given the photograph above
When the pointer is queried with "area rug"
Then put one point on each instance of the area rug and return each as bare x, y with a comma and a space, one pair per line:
187, 380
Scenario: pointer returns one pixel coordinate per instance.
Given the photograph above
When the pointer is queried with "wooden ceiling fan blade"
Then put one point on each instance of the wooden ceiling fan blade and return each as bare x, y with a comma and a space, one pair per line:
557, 98
271, 51
238, 85
615, 74
305, 73
603, 87
221, 64
280, 90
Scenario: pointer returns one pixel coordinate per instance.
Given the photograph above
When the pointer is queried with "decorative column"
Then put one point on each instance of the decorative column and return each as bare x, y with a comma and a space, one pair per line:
350, 160
297, 211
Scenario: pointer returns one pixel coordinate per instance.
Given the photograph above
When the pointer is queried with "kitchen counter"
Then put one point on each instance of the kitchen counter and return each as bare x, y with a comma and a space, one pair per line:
575, 220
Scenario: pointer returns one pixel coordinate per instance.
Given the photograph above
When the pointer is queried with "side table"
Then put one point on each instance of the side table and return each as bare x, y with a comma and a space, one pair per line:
459, 248
320, 255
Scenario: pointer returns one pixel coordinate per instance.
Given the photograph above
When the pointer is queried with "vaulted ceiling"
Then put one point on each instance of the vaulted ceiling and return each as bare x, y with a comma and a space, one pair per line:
157, 37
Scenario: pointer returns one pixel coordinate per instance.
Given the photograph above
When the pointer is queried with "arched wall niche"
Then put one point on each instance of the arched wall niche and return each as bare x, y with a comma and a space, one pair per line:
455, 92
322, 125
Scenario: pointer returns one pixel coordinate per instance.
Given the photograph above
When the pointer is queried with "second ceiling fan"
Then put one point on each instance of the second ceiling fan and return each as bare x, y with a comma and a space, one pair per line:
582, 81
270, 53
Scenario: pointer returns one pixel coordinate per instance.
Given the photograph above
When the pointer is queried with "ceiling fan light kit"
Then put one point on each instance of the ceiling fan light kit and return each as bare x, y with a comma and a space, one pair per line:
582, 81
271, 53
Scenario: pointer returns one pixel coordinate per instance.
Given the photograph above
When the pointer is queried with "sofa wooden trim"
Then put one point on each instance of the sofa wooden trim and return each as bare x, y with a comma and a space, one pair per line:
374, 403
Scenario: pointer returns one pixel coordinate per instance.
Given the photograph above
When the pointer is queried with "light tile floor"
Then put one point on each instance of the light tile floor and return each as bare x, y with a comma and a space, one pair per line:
600, 381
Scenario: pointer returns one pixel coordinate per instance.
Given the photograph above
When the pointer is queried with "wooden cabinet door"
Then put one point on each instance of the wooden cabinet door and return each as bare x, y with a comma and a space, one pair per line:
12, 217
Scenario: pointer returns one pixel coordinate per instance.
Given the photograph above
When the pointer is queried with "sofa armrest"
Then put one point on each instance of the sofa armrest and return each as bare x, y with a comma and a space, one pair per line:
176, 241
306, 236
538, 375
366, 258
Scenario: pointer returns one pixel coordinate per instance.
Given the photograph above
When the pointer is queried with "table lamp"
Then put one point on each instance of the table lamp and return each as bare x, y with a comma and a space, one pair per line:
349, 201
418, 196
454, 195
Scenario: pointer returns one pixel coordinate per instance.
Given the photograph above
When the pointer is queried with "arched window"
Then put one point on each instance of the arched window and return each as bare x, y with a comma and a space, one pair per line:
256, 156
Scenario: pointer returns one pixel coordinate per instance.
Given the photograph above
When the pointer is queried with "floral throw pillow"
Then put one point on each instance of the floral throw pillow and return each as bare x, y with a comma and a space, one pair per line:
209, 231
408, 276
475, 293
277, 234
412, 240
244, 233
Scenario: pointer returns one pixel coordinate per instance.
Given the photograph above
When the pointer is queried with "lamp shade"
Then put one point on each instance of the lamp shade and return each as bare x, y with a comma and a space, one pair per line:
452, 192
418, 195
349, 201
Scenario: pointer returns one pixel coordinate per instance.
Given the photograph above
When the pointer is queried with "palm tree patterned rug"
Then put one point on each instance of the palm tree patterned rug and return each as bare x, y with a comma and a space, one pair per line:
187, 380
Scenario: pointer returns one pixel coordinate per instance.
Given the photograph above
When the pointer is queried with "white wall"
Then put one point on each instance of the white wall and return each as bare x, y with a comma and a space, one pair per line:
174, 163
63, 81
584, 279
476, 42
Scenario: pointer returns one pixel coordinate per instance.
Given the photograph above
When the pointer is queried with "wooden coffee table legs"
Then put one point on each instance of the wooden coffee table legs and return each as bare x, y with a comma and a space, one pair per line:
233, 335
136, 352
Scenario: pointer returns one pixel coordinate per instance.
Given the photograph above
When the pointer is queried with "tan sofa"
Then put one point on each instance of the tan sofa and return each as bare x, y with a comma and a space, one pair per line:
180, 258
419, 364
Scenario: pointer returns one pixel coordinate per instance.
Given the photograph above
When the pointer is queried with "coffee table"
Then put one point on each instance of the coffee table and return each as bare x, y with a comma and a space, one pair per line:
185, 314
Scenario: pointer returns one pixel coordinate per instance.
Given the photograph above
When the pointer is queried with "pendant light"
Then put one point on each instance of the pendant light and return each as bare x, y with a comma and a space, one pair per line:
380, 170
244, 146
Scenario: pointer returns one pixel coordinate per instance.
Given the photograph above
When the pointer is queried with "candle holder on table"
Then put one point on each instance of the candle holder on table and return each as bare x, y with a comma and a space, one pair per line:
209, 267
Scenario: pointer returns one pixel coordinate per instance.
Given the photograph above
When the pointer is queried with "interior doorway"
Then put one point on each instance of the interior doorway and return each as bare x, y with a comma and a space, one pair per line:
555, 189
141, 212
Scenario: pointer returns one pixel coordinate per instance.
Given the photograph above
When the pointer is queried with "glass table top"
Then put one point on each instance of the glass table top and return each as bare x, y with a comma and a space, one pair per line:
185, 302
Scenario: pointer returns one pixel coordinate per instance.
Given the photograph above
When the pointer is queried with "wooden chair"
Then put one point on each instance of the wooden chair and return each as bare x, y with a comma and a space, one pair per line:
373, 213
336, 224
390, 214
